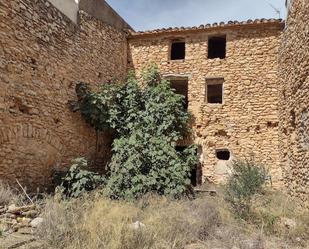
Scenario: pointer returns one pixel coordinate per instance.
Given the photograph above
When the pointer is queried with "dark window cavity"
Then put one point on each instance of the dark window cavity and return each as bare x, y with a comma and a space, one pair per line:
181, 87
214, 91
223, 154
178, 50
217, 47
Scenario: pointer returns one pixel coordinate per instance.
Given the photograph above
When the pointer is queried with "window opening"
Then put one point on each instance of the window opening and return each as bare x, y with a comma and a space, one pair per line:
214, 91
223, 154
217, 47
178, 50
194, 172
181, 87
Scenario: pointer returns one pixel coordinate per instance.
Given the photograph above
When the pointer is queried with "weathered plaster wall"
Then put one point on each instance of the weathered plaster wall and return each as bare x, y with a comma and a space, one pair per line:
42, 54
247, 122
294, 100
67, 7
101, 10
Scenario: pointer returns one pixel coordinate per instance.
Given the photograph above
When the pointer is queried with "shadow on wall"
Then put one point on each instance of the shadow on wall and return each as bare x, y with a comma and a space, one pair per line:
102, 11
68, 7
96, 8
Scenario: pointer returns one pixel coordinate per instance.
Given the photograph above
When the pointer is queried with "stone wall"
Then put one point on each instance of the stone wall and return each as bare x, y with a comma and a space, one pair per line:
247, 122
294, 100
42, 55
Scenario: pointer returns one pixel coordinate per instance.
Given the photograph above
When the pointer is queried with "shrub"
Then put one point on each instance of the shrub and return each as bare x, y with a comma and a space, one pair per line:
246, 180
147, 118
79, 180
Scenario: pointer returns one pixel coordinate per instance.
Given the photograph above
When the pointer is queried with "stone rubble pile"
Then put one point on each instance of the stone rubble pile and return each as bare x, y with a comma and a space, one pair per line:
14, 218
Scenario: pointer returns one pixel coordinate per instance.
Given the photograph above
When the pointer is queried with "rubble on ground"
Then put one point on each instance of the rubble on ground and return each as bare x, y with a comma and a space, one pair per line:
14, 218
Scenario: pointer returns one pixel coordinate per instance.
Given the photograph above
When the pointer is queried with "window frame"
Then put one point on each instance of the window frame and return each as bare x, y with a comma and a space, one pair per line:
207, 83
217, 36
173, 41
174, 78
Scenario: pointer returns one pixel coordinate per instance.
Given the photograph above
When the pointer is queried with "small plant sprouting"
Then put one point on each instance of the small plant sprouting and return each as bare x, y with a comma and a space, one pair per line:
79, 180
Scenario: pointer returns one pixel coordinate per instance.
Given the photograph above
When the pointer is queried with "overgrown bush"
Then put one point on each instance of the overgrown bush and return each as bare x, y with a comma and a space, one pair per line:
147, 119
79, 180
247, 179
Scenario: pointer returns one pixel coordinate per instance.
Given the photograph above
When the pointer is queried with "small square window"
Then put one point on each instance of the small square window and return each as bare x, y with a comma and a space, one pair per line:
217, 47
214, 91
178, 50
223, 154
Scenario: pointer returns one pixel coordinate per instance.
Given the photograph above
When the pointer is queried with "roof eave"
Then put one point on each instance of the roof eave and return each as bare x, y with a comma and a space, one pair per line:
208, 27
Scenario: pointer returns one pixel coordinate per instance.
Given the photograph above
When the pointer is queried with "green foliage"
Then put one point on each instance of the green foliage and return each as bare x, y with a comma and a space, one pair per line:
141, 165
148, 118
79, 180
94, 107
246, 181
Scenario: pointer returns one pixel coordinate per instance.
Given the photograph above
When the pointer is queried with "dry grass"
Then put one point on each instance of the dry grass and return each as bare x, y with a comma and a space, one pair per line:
8, 195
272, 210
94, 222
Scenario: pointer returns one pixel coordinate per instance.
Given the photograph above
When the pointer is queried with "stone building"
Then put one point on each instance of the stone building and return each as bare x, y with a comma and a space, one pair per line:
294, 100
229, 75
43, 53
228, 72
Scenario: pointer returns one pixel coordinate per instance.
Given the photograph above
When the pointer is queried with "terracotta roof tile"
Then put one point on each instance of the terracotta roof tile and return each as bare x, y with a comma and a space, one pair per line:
207, 26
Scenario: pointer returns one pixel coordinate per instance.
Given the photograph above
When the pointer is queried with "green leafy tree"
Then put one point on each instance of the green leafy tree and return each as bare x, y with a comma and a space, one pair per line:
148, 118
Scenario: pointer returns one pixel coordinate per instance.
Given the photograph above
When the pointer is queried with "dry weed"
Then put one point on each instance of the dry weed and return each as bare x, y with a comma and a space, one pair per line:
8, 195
94, 222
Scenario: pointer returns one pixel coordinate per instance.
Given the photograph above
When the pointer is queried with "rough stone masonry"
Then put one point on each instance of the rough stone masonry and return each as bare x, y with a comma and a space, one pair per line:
294, 100
42, 55
245, 101
234, 96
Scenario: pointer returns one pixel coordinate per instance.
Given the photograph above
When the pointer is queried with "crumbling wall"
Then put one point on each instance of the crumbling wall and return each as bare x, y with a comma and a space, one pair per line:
42, 55
294, 100
247, 122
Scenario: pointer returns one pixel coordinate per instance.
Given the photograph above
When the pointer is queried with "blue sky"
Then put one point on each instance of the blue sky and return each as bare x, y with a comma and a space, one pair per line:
152, 14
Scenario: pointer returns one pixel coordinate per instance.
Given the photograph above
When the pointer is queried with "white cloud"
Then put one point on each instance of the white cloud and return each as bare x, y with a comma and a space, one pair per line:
152, 14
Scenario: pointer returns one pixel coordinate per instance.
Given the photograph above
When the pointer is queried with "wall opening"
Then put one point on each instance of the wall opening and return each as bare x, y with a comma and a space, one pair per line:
217, 47
178, 50
214, 91
194, 172
180, 85
223, 154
